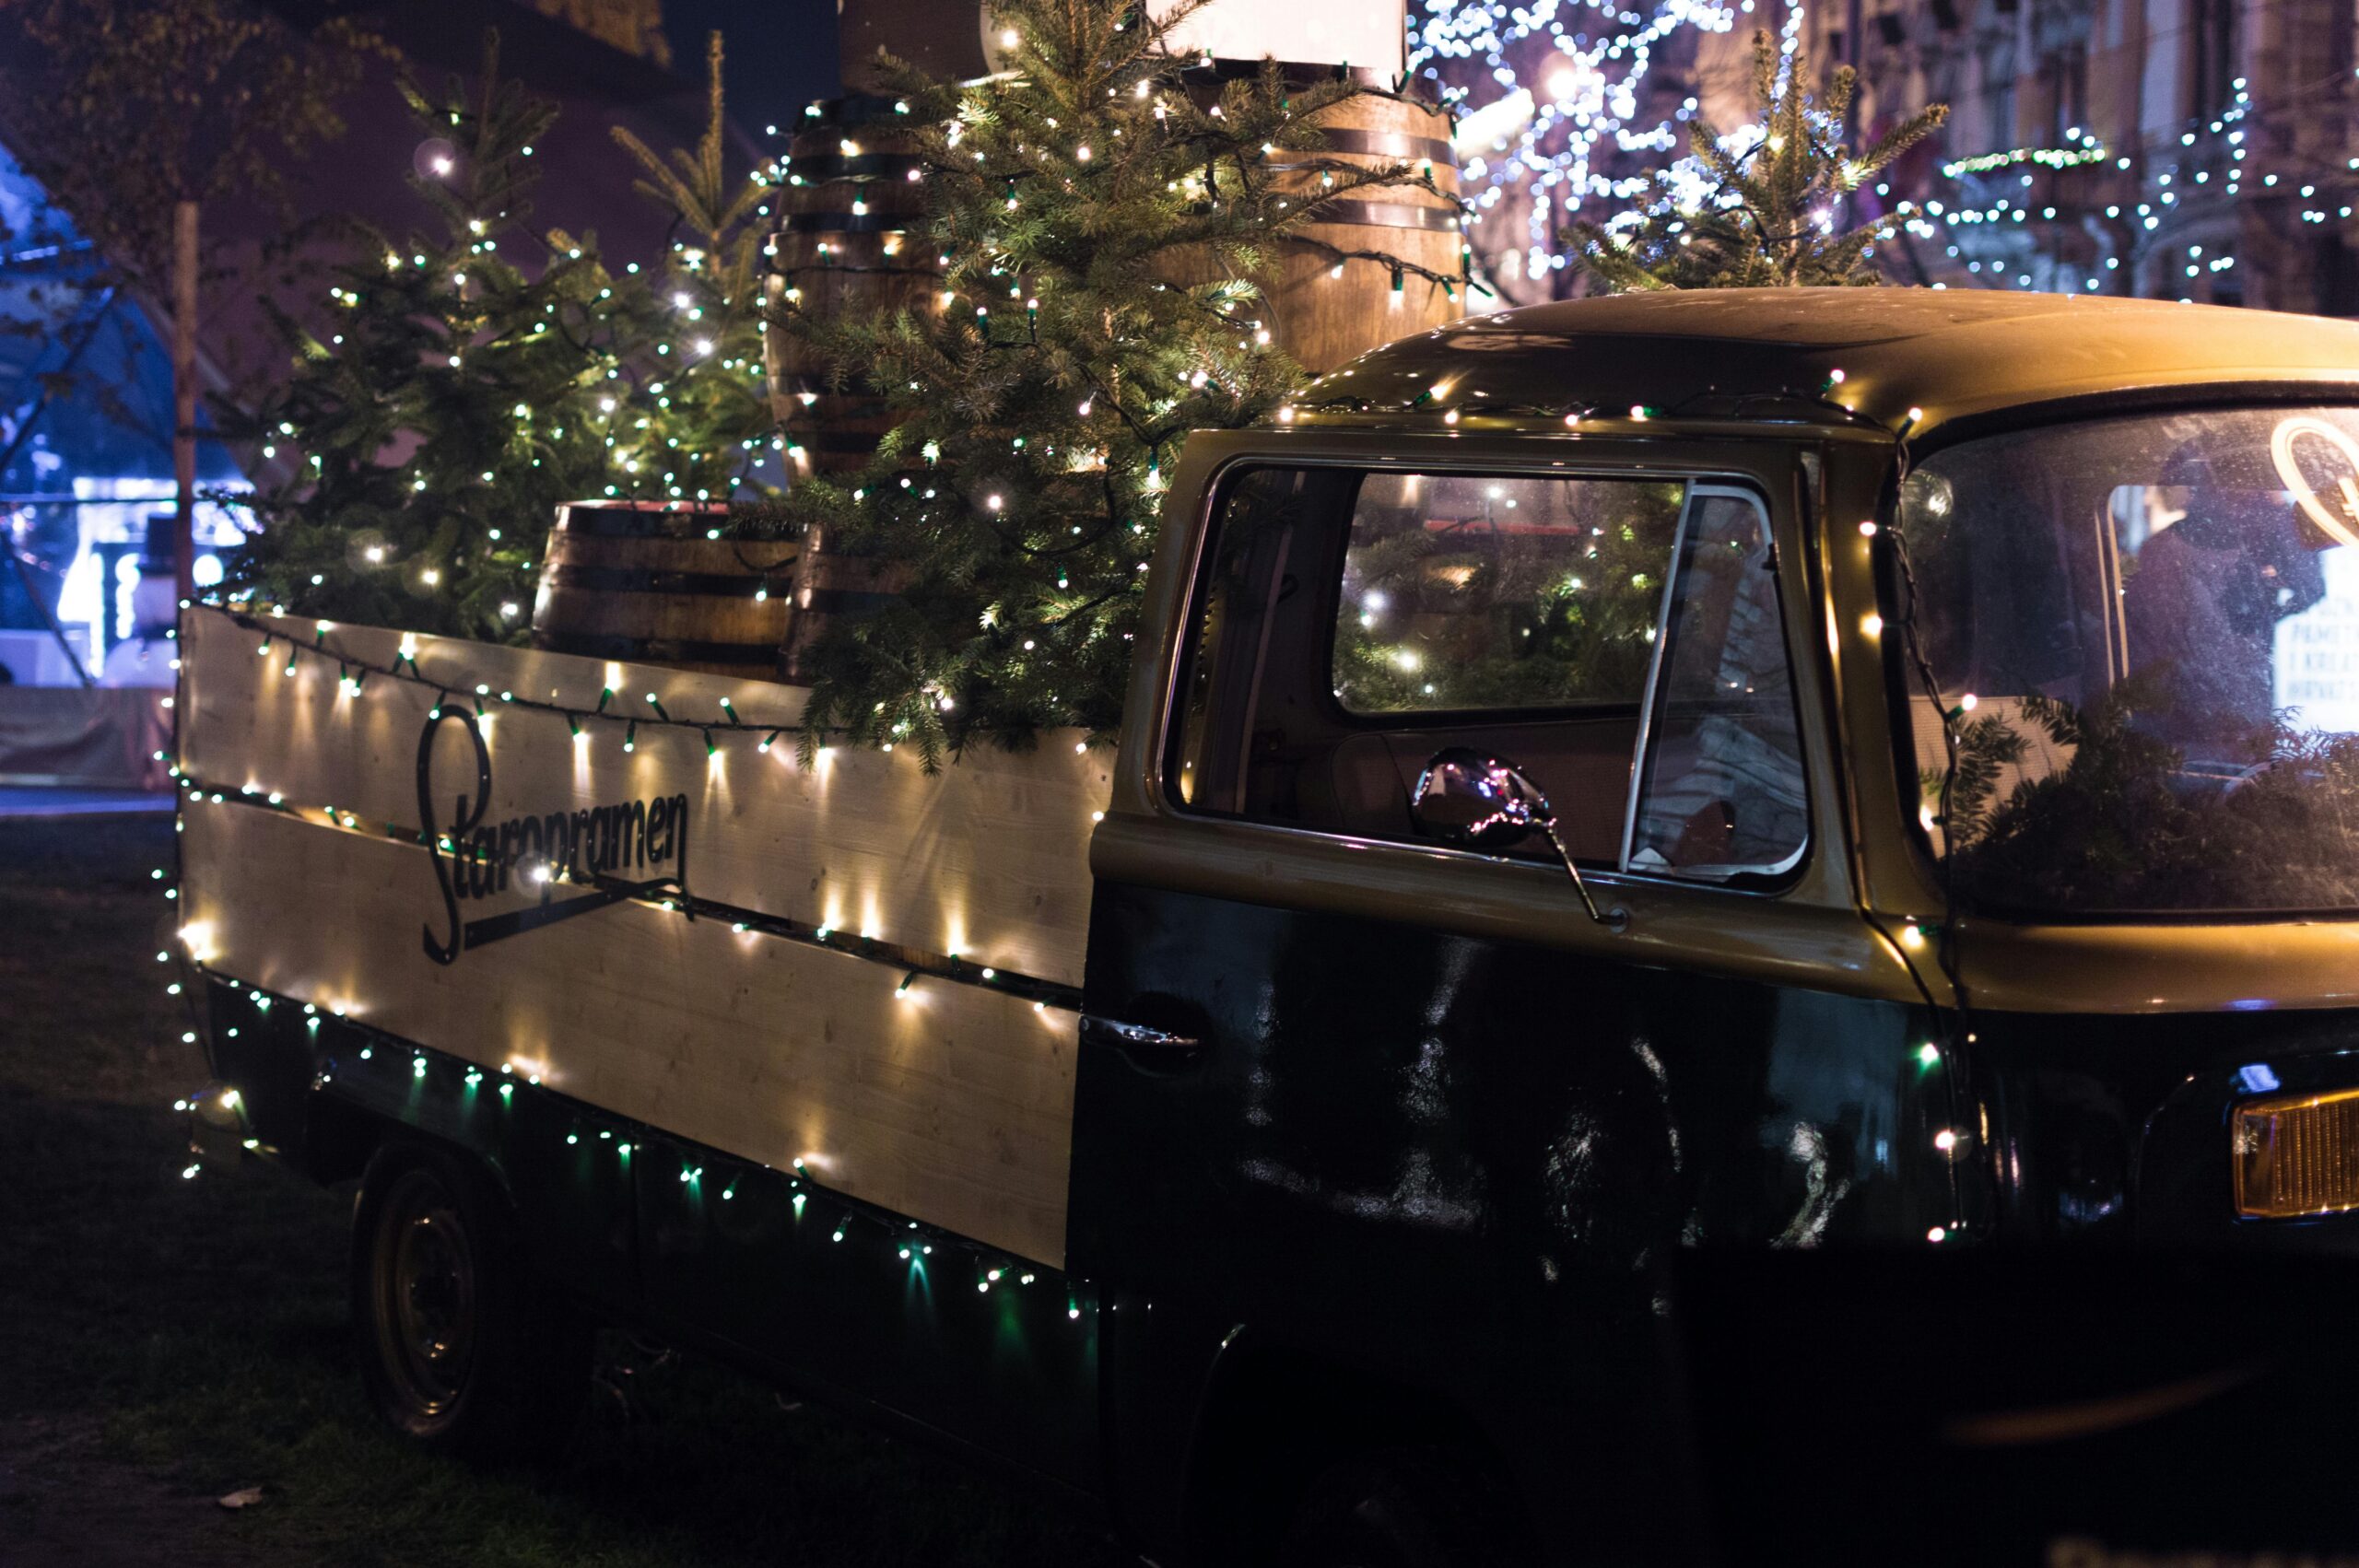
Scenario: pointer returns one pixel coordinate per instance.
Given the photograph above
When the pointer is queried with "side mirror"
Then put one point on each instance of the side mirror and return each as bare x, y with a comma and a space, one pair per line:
1477, 800
1480, 802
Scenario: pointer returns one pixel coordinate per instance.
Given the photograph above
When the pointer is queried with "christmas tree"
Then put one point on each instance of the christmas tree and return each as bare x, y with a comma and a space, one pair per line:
462, 392
1759, 209
706, 311
1100, 228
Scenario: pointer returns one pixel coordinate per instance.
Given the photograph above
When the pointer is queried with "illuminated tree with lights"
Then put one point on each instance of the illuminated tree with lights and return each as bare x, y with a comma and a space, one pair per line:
711, 405
1766, 216
462, 392
1101, 232
1559, 104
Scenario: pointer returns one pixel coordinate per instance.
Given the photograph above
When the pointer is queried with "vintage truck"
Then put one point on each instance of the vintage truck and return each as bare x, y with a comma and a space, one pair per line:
1721, 930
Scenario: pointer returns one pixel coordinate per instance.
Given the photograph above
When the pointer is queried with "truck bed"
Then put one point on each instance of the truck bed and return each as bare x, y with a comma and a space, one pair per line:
849, 968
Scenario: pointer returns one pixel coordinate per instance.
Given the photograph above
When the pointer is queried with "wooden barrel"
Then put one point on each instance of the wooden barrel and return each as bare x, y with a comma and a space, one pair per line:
832, 591
1323, 320
843, 248
640, 581
1326, 309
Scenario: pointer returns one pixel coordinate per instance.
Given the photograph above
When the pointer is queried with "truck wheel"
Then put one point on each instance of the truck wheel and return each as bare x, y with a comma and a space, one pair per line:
1402, 1508
461, 1347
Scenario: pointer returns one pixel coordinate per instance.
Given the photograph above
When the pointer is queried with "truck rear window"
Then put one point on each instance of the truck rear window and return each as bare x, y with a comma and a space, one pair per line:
1467, 593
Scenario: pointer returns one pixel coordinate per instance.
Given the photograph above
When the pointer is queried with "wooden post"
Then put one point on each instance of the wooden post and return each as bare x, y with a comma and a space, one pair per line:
185, 400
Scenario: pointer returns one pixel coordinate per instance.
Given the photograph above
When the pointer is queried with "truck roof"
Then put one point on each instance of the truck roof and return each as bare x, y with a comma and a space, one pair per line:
1825, 356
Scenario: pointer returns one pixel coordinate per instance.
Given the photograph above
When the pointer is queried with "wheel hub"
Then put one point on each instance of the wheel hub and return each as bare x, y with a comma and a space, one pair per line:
426, 1288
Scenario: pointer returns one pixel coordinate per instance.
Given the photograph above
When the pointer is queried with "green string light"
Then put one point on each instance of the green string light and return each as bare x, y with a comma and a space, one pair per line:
915, 1246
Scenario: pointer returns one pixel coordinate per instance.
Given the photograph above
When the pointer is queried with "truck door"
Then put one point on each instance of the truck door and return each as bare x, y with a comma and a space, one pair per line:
1365, 1106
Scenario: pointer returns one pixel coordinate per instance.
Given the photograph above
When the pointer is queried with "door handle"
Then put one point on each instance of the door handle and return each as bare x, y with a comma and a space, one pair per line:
1148, 1047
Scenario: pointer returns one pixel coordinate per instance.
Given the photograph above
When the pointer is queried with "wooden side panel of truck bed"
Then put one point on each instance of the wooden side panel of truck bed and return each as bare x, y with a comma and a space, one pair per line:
941, 1099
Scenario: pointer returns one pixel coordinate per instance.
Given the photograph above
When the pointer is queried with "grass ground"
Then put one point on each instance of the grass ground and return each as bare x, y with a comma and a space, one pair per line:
165, 1342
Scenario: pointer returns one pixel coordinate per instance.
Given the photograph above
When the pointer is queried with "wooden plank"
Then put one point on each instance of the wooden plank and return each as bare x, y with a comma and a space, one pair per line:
952, 1105
987, 859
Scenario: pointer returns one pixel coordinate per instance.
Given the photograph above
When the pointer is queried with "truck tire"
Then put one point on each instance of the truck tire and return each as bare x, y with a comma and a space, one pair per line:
1402, 1508
462, 1348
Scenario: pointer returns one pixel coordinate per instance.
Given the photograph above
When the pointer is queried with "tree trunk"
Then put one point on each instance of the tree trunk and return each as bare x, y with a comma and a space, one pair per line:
185, 400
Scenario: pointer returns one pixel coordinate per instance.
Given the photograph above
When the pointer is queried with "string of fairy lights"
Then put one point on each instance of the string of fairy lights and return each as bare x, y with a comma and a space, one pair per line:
1990, 200
479, 702
355, 1051
2169, 191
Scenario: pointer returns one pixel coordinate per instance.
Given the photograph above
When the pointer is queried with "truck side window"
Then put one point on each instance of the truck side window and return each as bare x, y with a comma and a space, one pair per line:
1723, 790
1349, 625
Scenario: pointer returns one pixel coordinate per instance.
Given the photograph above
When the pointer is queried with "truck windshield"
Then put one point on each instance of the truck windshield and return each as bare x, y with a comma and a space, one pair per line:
2146, 632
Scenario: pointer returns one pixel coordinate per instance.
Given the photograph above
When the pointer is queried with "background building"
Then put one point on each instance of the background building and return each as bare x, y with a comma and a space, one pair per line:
2196, 150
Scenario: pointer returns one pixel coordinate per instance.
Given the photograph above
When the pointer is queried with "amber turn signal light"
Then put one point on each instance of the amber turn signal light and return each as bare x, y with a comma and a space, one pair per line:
2296, 1156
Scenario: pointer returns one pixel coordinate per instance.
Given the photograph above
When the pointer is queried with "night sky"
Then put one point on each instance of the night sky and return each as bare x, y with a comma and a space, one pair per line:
781, 52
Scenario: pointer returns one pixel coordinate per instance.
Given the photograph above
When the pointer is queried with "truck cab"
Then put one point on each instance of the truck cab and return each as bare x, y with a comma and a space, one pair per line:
1861, 1095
